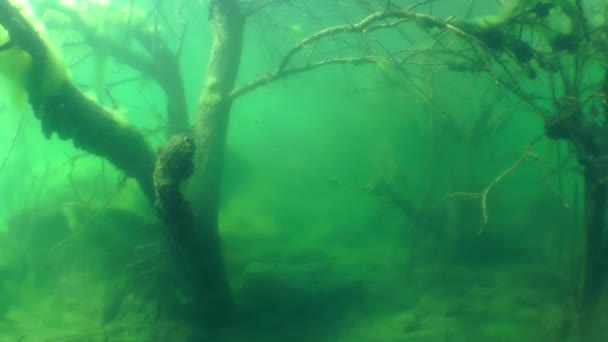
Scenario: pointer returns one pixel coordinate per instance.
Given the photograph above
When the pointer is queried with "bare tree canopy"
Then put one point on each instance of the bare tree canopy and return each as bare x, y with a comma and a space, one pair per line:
428, 139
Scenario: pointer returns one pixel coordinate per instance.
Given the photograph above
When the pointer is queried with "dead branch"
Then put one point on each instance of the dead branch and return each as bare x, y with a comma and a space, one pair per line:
483, 195
274, 76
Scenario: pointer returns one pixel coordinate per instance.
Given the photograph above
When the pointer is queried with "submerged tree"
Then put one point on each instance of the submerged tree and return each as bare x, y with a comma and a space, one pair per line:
550, 54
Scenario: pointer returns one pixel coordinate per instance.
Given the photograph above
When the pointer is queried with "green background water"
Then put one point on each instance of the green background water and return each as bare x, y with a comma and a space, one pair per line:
314, 253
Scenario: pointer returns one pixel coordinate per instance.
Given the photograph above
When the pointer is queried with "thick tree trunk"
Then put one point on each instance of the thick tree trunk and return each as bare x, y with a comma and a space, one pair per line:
210, 139
591, 149
595, 262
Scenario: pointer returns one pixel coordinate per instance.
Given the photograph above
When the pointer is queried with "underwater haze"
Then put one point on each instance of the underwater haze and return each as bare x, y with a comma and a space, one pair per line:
303, 170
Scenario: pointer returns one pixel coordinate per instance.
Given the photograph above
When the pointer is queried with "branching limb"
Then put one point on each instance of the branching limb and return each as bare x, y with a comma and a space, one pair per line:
366, 23
386, 19
525, 156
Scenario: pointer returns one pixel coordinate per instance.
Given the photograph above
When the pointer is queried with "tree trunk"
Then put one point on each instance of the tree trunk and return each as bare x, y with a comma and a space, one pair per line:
210, 139
594, 254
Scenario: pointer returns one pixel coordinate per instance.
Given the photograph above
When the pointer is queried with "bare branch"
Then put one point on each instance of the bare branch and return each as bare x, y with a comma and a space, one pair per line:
270, 77
364, 25
157, 60
390, 19
483, 195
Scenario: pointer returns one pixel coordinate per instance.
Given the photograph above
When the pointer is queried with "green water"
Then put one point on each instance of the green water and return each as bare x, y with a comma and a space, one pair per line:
352, 204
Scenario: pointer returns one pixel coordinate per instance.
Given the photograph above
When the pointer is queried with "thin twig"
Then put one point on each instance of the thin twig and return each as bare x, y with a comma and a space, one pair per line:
13, 143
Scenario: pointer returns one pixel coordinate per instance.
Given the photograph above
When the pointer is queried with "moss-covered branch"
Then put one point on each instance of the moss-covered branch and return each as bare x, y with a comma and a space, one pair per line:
66, 111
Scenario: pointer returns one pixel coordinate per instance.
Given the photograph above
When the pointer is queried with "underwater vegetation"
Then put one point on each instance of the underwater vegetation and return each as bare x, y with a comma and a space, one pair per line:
290, 170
